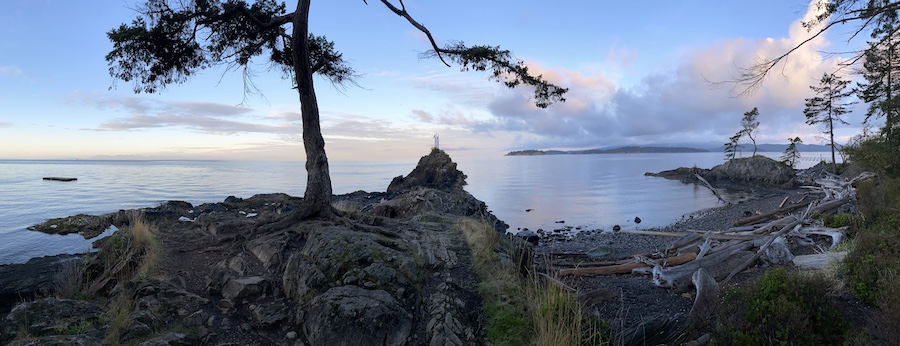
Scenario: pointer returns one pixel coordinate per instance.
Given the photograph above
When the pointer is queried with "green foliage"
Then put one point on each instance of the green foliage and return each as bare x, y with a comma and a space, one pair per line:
826, 107
166, 45
876, 153
503, 67
791, 155
785, 308
749, 124
875, 255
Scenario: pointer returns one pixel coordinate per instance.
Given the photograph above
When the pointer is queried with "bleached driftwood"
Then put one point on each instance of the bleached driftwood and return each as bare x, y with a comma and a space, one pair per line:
714, 191
818, 261
761, 217
626, 268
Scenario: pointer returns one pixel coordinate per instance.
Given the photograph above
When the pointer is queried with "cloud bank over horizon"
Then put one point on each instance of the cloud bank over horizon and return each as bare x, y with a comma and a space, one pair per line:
690, 103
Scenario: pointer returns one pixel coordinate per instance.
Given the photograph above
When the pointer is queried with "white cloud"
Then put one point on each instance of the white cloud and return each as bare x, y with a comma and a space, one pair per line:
678, 106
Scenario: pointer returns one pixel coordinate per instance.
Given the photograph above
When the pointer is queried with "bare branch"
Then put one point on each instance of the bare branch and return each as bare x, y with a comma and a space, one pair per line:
402, 13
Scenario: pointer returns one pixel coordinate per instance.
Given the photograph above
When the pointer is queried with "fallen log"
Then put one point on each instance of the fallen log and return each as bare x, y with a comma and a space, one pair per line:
762, 249
711, 188
760, 217
626, 268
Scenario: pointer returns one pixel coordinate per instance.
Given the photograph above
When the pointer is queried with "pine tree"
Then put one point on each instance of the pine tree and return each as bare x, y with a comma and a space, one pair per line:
826, 108
750, 124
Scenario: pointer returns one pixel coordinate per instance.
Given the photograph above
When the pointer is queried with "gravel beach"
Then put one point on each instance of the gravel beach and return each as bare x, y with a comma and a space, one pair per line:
629, 300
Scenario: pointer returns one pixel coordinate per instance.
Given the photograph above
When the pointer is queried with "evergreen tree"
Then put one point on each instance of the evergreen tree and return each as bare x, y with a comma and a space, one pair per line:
732, 147
171, 40
826, 108
791, 155
750, 124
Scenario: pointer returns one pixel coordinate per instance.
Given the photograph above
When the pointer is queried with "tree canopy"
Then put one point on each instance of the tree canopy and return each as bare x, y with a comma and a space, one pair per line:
171, 40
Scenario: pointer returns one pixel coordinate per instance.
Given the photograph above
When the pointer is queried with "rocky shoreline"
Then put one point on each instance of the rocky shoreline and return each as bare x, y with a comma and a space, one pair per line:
392, 270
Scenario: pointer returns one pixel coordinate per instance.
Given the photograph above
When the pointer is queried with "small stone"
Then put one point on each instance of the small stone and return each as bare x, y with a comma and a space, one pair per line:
246, 326
561, 221
291, 335
528, 210
617, 228
637, 219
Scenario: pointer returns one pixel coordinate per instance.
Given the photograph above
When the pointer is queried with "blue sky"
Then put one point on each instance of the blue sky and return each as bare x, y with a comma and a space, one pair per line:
638, 74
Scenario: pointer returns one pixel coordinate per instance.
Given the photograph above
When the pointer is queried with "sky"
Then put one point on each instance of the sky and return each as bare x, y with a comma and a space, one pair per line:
638, 73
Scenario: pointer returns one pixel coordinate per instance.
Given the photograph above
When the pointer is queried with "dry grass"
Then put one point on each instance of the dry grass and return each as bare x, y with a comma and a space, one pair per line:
69, 280
146, 244
558, 317
117, 316
519, 310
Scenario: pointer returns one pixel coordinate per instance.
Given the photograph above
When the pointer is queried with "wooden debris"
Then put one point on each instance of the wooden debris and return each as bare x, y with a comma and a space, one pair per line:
714, 191
627, 267
60, 178
760, 217
708, 257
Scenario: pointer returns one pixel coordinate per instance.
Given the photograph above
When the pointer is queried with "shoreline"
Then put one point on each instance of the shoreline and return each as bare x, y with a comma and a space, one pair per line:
632, 299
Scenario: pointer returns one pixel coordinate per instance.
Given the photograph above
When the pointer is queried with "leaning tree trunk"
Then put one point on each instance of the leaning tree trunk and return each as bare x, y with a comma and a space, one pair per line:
317, 198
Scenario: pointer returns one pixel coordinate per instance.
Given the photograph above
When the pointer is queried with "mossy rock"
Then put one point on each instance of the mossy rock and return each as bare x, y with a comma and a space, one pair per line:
89, 226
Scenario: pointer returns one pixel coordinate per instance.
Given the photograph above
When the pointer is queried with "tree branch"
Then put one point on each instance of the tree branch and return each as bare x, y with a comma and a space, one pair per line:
402, 13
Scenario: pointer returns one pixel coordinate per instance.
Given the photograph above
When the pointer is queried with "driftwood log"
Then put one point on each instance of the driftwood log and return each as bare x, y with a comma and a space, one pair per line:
627, 267
704, 259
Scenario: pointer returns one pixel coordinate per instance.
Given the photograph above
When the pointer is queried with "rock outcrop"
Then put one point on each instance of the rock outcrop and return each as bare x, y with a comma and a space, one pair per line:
392, 270
38, 276
435, 170
756, 171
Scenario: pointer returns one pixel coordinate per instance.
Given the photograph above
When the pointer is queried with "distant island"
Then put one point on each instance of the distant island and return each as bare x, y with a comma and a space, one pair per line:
773, 148
620, 150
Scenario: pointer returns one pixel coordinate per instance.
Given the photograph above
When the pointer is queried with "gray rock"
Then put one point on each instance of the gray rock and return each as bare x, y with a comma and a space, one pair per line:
240, 288
600, 252
135, 329
269, 315
169, 339
52, 316
435, 170
351, 315
23, 281
529, 236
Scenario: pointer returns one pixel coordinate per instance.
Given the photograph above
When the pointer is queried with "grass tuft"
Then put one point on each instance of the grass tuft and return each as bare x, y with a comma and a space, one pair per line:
522, 310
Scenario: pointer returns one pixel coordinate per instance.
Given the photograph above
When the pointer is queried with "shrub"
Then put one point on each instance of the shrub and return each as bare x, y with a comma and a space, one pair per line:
783, 308
875, 255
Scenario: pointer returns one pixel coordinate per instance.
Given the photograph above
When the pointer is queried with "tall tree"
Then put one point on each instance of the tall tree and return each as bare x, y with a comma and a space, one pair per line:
881, 70
827, 107
750, 124
171, 40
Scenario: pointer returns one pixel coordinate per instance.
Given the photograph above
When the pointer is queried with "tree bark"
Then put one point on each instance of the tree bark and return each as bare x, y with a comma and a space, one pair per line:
317, 198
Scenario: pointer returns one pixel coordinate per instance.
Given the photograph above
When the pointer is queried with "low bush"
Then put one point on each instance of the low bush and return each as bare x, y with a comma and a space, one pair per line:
782, 308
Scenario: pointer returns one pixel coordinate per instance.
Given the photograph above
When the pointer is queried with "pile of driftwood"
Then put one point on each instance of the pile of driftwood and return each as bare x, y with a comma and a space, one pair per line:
723, 254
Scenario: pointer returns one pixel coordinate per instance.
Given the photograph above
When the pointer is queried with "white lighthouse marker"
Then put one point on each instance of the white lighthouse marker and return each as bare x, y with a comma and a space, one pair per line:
436, 141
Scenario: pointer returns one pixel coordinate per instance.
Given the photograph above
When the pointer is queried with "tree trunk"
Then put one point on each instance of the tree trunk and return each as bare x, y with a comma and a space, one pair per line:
317, 198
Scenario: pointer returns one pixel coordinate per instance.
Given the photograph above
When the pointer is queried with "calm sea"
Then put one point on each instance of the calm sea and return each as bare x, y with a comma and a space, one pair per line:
595, 191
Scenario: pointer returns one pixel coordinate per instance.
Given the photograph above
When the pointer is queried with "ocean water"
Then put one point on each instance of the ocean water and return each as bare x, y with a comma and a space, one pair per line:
595, 191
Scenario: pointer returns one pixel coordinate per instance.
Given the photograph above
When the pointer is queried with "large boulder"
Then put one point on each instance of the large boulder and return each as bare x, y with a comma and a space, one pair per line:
435, 170
352, 315
757, 170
